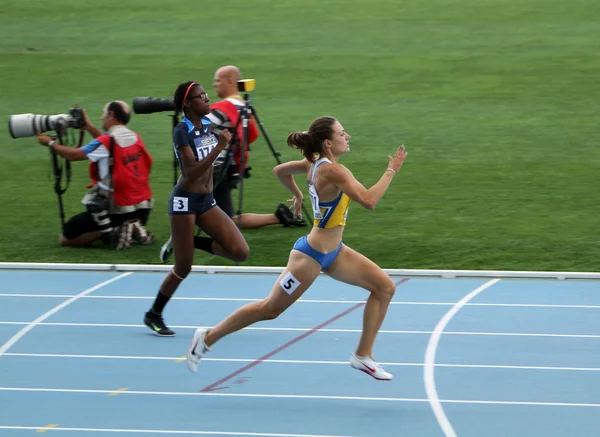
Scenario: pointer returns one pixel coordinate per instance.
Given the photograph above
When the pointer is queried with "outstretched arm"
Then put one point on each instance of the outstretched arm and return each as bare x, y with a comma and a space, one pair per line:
367, 198
70, 153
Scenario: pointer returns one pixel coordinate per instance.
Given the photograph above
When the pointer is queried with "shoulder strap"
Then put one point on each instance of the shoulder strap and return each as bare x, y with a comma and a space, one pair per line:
315, 165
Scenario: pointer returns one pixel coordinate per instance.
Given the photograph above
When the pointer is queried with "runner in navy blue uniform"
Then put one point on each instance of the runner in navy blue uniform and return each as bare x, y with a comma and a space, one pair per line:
191, 203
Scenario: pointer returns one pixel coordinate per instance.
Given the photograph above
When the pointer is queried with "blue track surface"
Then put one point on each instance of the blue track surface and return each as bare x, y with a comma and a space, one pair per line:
521, 358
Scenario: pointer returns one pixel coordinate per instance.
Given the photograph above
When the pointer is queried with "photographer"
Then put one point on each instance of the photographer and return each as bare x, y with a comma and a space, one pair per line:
120, 199
225, 113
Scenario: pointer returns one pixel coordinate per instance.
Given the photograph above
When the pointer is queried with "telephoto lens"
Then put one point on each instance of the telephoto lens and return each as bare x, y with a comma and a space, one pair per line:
149, 105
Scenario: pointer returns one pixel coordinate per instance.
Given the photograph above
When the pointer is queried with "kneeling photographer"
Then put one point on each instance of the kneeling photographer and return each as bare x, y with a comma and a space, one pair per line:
119, 201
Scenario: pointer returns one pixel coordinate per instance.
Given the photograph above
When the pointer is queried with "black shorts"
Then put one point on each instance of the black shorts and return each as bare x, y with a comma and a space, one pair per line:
84, 223
182, 202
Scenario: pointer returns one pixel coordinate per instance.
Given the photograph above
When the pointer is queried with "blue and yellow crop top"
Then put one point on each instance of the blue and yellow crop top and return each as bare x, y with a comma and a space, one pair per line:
327, 214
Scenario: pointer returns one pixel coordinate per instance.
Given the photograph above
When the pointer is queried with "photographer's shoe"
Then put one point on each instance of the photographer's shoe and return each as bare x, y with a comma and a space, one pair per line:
166, 250
286, 217
156, 323
125, 235
141, 235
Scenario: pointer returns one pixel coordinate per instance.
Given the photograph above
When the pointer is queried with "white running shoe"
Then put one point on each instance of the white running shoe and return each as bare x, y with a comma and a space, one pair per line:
370, 367
197, 350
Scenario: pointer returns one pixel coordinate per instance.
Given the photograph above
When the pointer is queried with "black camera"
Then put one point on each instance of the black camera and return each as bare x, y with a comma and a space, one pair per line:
27, 125
149, 105
77, 120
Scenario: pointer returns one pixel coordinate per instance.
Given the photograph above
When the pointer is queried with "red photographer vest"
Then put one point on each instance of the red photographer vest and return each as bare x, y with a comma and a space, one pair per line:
232, 111
130, 171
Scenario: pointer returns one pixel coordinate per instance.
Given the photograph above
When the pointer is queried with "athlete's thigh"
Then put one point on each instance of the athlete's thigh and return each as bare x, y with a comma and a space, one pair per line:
182, 234
220, 227
299, 274
356, 269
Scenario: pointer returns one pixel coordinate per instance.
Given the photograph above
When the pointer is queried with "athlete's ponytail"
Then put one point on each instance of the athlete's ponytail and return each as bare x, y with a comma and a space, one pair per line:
311, 141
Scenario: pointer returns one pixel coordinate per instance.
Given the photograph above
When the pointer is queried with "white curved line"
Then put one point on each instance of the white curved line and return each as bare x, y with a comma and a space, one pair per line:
428, 372
10, 343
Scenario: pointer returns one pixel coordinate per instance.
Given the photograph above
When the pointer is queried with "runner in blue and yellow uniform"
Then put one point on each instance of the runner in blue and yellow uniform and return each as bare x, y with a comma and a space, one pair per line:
331, 187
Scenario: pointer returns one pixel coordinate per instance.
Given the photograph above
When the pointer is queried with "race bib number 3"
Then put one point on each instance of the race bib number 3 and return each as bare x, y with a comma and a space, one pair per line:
180, 203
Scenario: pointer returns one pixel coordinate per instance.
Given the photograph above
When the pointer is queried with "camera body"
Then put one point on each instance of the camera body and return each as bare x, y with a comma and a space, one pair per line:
77, 120
27, 125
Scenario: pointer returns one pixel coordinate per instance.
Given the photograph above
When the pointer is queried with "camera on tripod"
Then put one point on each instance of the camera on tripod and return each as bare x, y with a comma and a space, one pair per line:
246, 85
27, 125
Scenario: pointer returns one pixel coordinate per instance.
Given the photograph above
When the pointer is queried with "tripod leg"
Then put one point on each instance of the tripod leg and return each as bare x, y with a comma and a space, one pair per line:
62, 213
243, 144
275, 153
57, 188
240, 201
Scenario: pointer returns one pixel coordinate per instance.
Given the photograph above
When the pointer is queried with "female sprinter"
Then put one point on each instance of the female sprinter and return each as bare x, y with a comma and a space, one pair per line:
331, 187
191, 202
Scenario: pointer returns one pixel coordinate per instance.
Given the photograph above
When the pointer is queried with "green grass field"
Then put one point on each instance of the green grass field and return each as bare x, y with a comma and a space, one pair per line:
497, 102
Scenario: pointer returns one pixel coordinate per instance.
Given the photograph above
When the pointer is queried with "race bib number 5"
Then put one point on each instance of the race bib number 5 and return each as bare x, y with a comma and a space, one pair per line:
289, 283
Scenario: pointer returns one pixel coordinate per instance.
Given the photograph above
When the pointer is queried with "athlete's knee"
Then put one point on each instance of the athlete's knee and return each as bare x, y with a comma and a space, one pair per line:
386, 289
240, 252
182, 269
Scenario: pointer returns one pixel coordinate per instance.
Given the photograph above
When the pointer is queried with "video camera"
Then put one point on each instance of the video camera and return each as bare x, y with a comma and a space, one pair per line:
246, 85
27, 125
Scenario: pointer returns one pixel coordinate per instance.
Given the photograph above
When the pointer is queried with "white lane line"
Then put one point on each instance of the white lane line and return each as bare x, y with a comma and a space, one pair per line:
430, 352
6, 346
283, 329
293, 396
321, 362
323, 301
161, 431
